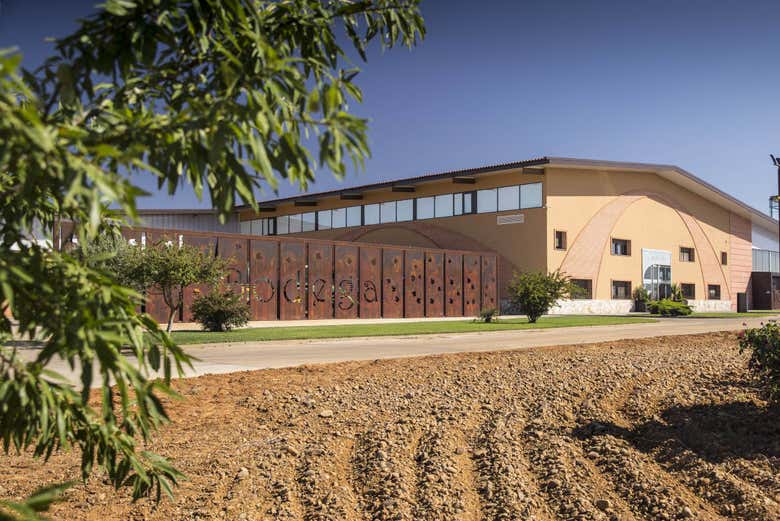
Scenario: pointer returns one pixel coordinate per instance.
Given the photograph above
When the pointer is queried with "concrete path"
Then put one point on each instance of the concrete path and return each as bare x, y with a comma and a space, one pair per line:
231, 357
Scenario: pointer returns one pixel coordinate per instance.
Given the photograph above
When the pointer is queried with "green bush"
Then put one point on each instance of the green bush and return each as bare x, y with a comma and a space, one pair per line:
220, 311
764, 346
535, 292
488, 315
641, 294
668, 308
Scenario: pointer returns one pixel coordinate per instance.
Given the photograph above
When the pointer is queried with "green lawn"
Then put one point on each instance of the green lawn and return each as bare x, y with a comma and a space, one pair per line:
403, 328
719, 314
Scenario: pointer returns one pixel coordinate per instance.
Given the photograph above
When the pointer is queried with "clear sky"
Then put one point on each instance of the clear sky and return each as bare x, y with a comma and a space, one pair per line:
692, 83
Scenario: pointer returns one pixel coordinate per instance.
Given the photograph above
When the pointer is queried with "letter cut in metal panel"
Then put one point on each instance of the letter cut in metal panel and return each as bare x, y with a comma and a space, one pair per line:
489, 282
414, 284
370, 282
347, 287
392, 283
235, 251
434, 284
320, 280
453, 274
472, 285
292, 281
264, 279
207, 245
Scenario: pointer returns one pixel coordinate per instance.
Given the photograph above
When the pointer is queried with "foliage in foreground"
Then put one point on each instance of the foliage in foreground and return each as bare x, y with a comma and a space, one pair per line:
221, 310
763, 343
222, 95
536, 292
668, 308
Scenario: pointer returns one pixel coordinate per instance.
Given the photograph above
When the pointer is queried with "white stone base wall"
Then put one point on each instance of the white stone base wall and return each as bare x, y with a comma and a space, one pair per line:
704, 306
592, 307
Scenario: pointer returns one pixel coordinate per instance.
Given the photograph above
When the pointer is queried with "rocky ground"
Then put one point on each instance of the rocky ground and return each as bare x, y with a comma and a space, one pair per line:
665, 428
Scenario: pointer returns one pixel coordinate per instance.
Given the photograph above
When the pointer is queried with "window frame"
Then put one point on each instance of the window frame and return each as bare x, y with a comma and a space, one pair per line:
612, 289
495, 200
612, 247
444, 205
417, 201
691, 254
589, 288
526, 187
385, 208
565, 242
724, 258
354, 209
514, 205
404, 202
709, 288
692, 296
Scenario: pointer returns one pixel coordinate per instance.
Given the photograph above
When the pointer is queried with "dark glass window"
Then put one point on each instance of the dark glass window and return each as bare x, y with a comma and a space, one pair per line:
621, 289
560, 240
621, 247
724, 258
687, 254
713, 291
586, 289
688, 290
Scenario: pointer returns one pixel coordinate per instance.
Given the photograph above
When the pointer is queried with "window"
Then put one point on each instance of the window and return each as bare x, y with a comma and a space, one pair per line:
387, 212
270, 226
687, 254
354, 216
713, 292
246, 227
371, 214
324, 219
283, 225
560, 240
509, 198
586, 289
531, 195
338, 218
295, 223
468, 202
621, 247
404, 210
425, 208
487, 201
308, 222
457, 200
688, 291
621, 289
724, 258
442, 205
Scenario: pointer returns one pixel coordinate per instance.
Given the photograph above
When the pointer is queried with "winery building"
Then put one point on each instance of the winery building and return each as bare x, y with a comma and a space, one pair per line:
610, 226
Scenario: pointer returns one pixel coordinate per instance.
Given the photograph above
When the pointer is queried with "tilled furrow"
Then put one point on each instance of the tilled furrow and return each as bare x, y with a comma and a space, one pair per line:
649, 491
382, 475
503, 475
440, 496
323, 496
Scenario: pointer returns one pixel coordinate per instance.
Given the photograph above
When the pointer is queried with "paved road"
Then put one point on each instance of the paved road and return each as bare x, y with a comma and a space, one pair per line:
230, 357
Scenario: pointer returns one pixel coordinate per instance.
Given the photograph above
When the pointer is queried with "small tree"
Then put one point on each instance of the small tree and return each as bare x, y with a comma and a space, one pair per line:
168, 268
536, 292
221, 311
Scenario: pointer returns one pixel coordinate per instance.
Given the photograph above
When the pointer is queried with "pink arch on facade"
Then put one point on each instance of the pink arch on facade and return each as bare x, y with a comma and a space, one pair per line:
583, 260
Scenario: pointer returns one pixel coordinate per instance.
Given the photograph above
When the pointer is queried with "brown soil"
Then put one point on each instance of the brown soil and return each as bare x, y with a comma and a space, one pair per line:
663, 428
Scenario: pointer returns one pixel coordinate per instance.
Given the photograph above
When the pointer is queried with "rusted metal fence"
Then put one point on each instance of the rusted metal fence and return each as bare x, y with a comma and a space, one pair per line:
286, 278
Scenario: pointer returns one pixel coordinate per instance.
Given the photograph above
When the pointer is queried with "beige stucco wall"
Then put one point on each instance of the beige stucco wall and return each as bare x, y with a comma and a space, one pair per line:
650, 211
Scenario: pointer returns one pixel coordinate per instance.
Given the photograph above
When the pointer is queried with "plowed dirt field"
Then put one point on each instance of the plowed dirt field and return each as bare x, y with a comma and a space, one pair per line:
662, 428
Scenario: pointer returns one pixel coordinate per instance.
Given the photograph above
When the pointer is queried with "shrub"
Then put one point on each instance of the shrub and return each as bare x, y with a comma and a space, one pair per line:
764, 346
535, 293
677, 294
668, 308
220, 311
488, 315
641, 294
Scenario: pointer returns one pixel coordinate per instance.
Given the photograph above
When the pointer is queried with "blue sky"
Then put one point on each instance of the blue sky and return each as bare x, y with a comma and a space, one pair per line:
692, 83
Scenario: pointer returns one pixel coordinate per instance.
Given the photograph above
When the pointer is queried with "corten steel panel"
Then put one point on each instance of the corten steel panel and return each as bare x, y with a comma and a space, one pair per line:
434, 284
207, 245
472, 285
292, 281
67, 228
235, 250
392, 283
264, 278
155, 305
370, 283
414, 284
347, 284
320, 280
453, 275
489, 282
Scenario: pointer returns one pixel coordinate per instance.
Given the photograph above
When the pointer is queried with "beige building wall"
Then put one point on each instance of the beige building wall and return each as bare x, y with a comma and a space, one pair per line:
593, 207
